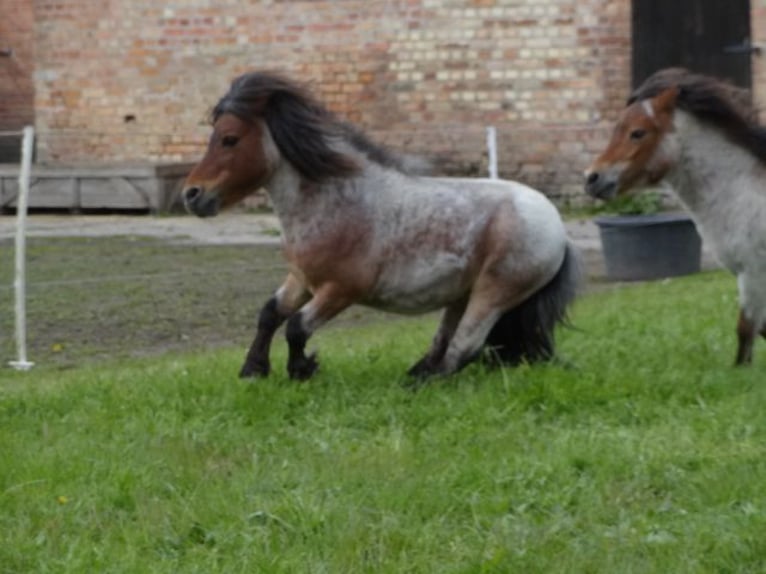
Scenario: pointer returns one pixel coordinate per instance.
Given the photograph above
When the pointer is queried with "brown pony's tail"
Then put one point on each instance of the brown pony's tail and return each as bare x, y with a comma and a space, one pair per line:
526, 332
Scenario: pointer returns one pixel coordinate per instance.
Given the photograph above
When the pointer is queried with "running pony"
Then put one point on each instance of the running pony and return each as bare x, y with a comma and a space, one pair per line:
700, 135
359, 228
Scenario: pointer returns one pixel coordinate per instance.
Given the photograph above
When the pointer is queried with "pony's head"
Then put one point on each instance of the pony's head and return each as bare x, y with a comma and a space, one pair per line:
635, 154
262, 120
643, 147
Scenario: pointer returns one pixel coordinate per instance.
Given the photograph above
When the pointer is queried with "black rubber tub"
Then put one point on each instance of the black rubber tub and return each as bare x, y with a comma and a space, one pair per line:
644, 247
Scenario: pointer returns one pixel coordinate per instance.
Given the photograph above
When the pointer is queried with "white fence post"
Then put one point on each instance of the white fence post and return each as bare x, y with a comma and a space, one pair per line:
19, 283
492, 151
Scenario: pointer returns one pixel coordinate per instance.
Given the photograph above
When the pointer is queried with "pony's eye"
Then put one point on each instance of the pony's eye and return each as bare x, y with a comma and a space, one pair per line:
636, 135
229, 141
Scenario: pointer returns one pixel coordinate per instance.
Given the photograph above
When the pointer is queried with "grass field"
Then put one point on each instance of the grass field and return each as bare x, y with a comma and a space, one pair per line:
642, 450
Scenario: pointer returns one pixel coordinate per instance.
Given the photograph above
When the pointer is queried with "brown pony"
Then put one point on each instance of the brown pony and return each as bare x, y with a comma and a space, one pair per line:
699, 135
359, 227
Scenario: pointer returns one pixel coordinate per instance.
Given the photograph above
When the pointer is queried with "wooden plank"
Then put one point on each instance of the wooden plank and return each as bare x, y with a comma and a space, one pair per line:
12, 170
43, 193
50, 193
170, 193
112, 193
152, 187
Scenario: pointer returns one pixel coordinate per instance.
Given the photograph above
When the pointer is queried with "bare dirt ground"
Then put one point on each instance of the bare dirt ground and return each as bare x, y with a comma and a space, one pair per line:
227, 229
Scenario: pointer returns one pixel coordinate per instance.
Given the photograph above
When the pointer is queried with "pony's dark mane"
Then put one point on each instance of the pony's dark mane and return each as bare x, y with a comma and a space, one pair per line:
711, 100
302, 128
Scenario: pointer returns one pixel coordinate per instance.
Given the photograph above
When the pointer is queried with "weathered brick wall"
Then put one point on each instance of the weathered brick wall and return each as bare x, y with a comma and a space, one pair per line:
16, 69
132, 80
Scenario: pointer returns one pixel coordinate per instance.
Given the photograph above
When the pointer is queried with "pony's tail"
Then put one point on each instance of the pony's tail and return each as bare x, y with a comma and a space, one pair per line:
526, 332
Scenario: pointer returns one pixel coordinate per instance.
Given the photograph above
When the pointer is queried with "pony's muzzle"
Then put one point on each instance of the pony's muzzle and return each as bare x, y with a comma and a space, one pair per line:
601, 185
199, 202
191, 195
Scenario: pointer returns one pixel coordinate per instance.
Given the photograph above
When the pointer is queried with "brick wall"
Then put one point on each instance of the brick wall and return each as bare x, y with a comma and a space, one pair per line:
132, 80
16, 69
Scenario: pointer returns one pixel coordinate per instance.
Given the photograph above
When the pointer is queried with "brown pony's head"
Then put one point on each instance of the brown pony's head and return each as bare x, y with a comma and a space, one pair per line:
236, 164
634, 155
263, 119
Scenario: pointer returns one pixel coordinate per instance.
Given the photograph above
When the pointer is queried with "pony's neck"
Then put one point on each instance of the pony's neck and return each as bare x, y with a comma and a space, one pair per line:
284, 188
712, 176
308, 210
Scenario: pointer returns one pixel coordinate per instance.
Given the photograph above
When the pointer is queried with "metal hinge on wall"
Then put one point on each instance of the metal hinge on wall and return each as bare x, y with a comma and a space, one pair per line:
744, 47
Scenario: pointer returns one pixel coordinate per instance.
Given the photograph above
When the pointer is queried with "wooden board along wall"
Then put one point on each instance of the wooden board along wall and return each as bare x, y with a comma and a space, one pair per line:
151, 188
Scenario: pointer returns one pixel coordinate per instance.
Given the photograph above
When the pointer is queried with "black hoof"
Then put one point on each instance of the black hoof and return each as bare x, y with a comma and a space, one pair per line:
421, 369
420, 374
303, 369
255, 369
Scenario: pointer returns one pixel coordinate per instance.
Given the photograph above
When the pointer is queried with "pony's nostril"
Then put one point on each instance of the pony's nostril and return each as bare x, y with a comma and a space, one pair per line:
192, 193
592, 178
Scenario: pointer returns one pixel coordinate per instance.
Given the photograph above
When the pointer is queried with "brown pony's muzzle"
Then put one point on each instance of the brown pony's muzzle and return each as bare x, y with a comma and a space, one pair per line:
601, 184
200, 202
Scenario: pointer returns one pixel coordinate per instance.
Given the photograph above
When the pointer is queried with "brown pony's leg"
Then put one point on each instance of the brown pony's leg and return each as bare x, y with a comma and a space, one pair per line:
492, 296
327, 302
288, 298
470, 335
746, 337
428, 364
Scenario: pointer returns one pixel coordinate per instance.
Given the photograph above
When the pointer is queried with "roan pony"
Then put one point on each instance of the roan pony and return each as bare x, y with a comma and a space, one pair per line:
357, 228
699, 134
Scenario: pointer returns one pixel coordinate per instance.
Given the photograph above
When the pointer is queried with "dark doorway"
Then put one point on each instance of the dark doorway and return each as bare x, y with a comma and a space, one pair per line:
705, 36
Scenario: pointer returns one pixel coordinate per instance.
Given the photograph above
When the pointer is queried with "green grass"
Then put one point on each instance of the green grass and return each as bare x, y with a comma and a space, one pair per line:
643, 450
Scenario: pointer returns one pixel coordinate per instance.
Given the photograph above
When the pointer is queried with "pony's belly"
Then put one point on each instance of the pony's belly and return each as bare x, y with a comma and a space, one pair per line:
743, 252
419, 289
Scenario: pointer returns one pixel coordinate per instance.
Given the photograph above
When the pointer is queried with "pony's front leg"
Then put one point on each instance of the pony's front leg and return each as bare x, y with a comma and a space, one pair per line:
327, 302
287, 299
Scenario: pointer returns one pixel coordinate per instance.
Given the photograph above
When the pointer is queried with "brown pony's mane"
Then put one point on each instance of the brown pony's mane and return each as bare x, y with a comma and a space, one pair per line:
302, 128
711, 100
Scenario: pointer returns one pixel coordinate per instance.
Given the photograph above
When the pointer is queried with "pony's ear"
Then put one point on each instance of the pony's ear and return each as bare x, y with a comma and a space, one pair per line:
665, 101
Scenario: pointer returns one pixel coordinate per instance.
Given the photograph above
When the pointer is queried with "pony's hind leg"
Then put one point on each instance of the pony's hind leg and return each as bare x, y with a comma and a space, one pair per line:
287, 299
471, 333
529, 308
326, 303
430, 361
509, 343
752, 320
746, 331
